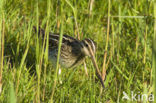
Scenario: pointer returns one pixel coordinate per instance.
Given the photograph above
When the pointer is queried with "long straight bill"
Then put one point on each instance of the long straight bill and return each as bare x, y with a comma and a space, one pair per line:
96, 67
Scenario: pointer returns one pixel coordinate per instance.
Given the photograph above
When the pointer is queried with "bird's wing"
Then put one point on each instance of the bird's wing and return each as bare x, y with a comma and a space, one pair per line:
67, 41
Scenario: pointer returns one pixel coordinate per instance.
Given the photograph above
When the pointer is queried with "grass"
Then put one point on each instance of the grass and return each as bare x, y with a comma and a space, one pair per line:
123, 31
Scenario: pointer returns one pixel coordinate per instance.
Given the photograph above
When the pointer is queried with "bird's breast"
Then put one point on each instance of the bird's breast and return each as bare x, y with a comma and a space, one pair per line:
69, 57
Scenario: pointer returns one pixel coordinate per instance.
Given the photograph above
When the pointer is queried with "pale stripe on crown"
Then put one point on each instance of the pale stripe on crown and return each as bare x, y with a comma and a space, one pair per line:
91, 43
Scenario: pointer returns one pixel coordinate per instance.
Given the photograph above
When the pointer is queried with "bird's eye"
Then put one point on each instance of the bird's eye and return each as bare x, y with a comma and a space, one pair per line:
86, 45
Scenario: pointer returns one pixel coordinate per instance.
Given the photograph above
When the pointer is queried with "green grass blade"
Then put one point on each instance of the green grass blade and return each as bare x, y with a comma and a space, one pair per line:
12, 97
58, 56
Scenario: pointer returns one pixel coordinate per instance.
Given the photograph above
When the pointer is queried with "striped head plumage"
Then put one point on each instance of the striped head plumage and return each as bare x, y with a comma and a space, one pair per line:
86, 44
73, 51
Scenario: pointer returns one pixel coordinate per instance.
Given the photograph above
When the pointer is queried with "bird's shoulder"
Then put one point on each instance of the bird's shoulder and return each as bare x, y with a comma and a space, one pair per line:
67, 41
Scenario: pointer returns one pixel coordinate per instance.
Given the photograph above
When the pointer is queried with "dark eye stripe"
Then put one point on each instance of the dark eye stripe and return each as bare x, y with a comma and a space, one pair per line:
91, 43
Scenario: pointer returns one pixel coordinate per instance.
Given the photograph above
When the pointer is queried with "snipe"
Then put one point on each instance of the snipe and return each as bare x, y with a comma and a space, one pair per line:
73, 51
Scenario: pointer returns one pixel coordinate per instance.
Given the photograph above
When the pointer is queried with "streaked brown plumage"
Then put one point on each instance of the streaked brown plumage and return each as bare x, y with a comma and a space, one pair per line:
73, 51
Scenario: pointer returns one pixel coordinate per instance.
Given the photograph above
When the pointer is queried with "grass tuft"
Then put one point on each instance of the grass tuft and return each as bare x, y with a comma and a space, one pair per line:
123, 31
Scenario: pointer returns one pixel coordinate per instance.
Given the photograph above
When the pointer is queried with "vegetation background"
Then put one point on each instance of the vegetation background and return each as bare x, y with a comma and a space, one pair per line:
122, 29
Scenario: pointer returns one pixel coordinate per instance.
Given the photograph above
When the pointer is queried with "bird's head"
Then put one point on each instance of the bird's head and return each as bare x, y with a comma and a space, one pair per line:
88, 45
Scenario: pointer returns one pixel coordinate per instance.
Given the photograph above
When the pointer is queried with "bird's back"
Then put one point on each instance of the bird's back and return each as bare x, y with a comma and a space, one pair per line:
70, 55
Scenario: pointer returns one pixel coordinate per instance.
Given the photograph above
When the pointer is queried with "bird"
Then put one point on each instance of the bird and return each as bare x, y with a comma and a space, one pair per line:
73, 51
